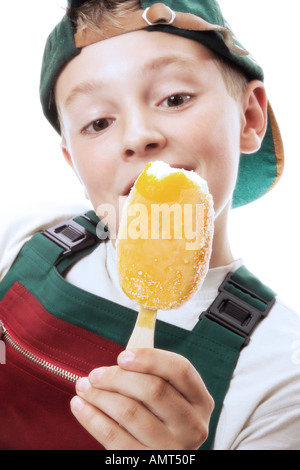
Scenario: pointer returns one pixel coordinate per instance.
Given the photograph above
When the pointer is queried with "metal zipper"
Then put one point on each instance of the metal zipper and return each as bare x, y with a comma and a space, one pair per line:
5, 336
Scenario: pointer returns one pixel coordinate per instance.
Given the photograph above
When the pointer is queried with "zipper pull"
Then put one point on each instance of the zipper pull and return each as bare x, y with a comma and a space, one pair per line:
2, 330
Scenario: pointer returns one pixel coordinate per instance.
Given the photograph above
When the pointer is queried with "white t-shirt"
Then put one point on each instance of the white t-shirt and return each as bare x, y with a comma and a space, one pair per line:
261, 410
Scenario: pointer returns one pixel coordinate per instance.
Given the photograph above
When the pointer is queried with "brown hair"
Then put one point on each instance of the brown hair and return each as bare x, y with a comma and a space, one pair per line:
94, 13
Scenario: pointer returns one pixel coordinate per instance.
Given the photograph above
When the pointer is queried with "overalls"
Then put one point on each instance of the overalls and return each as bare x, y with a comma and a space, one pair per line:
55, 332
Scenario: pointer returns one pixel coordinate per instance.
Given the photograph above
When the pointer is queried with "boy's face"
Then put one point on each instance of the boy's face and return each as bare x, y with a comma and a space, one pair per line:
142, 97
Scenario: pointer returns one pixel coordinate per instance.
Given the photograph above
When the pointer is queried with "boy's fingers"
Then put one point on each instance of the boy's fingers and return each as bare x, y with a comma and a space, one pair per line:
130, 414
104, 429
180, 403
154, 415
155, 394
173, 368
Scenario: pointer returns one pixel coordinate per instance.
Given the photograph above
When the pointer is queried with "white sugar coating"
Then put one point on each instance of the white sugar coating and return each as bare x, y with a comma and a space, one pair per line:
161, 169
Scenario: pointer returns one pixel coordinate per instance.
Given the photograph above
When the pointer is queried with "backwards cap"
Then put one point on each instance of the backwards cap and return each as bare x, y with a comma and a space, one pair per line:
200, 20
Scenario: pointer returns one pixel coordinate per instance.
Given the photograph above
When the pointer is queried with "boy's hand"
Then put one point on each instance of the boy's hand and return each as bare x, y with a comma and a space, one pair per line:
153, 399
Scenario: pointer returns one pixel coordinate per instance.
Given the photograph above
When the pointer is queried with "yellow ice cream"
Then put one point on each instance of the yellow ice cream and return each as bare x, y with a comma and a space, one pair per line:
165, 237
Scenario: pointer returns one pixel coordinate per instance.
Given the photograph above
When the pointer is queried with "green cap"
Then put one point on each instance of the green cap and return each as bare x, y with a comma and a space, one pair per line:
200, 20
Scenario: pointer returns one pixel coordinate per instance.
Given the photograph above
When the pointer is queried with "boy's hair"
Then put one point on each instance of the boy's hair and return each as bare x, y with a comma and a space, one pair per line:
95, 13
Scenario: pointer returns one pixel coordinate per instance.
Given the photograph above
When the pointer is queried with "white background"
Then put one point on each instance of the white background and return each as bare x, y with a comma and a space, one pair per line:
265, 233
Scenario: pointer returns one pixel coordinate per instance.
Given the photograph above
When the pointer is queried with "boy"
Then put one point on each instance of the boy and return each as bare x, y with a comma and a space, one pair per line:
118, 107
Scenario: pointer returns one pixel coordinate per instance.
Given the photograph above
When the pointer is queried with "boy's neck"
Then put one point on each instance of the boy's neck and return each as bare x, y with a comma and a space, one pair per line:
221, 250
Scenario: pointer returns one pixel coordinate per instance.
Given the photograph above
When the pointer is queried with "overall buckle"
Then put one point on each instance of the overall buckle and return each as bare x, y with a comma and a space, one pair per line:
70, 236
236, 314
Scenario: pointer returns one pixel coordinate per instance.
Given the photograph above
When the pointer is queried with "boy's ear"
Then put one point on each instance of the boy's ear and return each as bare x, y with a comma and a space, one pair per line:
66, 154
254, 118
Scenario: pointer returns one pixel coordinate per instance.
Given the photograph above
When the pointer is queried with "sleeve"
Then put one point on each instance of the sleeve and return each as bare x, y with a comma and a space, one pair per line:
274, 427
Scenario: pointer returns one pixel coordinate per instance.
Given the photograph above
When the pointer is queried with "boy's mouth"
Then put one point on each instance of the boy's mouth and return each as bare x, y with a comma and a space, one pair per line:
172, 165
129, 187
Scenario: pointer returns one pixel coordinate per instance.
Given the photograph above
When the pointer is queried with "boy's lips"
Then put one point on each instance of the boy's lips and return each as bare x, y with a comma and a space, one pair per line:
130, 185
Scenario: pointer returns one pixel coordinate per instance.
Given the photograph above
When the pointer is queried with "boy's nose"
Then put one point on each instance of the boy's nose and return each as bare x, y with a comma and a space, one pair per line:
142, 140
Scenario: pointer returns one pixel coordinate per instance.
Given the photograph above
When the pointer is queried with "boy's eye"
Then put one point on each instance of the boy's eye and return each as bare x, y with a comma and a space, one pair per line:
98, 125
174, 101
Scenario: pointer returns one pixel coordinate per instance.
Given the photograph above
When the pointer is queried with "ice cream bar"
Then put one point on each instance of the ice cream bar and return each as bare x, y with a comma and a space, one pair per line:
164, 243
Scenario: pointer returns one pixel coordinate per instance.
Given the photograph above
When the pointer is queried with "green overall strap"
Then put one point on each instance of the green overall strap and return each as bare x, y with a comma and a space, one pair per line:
76, 236
61, 245
226, 327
